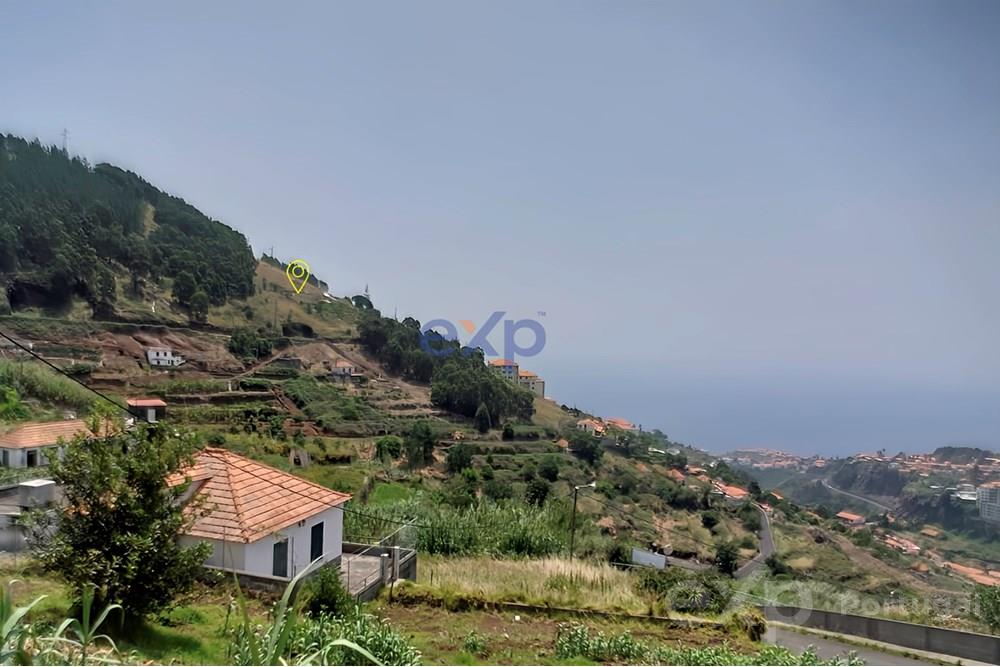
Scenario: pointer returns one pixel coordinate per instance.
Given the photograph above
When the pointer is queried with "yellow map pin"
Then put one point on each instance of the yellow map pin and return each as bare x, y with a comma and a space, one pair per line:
298, 274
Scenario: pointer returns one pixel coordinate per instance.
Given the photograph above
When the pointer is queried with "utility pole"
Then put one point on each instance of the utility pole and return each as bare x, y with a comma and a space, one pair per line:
572, 529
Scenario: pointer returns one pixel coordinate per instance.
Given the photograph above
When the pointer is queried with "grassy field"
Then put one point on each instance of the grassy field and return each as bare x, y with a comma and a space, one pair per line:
549, 581
517, 638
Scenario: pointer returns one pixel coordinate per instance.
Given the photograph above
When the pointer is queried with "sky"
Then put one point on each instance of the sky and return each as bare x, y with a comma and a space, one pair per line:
747, 224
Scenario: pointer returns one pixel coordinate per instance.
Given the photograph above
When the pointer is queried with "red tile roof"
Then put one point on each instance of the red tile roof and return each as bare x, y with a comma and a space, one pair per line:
733, 491
41, 434
850, 516
146, 403
527, 374
244, 500
502, 362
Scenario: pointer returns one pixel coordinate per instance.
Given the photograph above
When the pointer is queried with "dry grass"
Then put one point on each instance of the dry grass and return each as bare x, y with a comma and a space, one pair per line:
548, 581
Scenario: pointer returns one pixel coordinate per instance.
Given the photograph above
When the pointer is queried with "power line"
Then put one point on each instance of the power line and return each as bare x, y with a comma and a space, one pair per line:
67, 375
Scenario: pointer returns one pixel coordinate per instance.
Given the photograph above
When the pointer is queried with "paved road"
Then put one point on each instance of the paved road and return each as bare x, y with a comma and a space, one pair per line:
880, 506
766, 547
827, 648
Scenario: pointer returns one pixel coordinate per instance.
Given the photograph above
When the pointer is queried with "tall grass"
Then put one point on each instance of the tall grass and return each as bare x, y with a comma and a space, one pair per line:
36, 381
557, 582
502, 530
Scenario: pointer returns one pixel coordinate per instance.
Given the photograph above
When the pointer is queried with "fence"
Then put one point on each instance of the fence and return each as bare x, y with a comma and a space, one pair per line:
366, 567
970, 645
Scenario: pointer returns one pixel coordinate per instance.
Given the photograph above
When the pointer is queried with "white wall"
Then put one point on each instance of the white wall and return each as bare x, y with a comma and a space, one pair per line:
259, 554
230, 555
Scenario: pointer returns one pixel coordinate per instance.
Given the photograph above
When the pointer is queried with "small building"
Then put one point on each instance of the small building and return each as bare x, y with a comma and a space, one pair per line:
343, 367
506, 368
532, 383
163, 356
34, 443
850, 519
676, 475
988, 501
621, 424
592, 426
151, 410
929, 531
733, 494
262, 523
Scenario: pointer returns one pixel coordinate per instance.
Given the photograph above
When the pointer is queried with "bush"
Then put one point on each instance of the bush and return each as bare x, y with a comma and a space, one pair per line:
536, 492
725, 558
325, 594
549, 468
710, 519
748, 621
459, 458
497, 490
388, 447
508, 431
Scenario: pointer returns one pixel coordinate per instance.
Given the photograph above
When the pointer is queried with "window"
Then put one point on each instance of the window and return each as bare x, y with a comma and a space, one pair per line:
316, 542
279, 566
32, 458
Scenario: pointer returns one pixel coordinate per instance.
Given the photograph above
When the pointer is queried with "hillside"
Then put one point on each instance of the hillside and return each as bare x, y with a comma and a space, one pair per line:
418, 429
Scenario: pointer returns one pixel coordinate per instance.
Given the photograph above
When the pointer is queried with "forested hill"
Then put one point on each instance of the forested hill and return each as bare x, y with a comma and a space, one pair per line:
69, 229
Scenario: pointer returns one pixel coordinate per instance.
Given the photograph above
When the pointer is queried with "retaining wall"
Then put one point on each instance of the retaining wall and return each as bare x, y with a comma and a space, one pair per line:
970, 645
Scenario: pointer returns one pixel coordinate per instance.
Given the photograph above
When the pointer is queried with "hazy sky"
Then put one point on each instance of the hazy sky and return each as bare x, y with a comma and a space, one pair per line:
747, 223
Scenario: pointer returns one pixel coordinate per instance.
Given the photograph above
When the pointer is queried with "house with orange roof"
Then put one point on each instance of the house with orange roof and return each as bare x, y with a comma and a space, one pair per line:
150, 410
619, 423
777, 496
732, 494
34, 443
676, 475
260, 521
592, 426
851, 519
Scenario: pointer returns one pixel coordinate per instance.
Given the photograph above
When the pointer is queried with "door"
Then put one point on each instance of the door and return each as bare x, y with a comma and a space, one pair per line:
316, 542
32, 458
279, 565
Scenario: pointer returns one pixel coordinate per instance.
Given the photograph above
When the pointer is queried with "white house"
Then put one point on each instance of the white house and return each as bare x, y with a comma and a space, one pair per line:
32, 444
260, 521
163, 356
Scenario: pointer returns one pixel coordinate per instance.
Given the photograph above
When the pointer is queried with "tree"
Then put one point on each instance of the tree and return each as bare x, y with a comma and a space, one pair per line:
586, 447
549, 468
419, 445
725, 558
199, 306
119, 523
754, 490
986, 603
482, 419
459, 458
388, 447
536, 492
710, 519
184, 287
508, 431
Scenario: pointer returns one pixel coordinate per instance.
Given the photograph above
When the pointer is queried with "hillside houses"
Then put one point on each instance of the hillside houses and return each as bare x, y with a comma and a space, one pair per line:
523, 378
163, 356
850, 519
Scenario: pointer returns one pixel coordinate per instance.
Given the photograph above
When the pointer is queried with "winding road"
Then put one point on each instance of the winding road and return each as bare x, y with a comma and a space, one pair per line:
831, 487
766, 547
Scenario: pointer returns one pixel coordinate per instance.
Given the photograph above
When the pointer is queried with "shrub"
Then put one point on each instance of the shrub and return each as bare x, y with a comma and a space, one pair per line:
725, 558
459, 457
508, 431
549, 468
536, 492
710, 519
749, 621
388, 447
475, 644
325, 594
